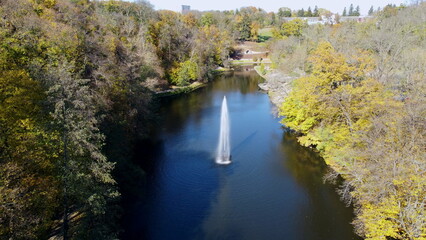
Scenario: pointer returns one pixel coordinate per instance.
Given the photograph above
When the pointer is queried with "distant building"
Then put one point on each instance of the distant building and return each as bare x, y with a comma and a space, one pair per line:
186, 9
329, 19
355, 18
315, 20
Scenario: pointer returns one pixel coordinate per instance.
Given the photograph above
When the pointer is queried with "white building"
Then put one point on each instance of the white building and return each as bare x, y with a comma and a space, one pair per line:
331, 19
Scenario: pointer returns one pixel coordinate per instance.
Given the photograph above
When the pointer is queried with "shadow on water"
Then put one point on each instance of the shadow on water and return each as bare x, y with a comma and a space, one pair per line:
240, 147
307, 167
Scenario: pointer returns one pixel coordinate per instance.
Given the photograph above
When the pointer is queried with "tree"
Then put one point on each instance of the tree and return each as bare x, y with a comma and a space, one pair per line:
344, 12
28, 185
362, 105
211, 55
371, 11
185, 72
293, 27
171, 38
254, 31
301, 13
357, 11
381, 173
273, 18
351, 10
284, 12
309, 12
207, 19
190, 20
87, 185
316, 13
244, 26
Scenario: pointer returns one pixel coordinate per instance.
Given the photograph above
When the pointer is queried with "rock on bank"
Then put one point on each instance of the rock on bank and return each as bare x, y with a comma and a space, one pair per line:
277, 84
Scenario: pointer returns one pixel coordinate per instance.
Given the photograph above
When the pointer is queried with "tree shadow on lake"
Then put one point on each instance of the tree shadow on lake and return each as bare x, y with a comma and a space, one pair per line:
327, 216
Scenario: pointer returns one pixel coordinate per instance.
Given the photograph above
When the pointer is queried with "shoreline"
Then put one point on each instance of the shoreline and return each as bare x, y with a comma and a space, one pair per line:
179, 90
277, 85
175, 90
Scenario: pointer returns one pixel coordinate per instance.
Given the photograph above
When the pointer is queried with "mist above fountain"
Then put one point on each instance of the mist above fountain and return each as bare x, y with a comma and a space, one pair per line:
223, 155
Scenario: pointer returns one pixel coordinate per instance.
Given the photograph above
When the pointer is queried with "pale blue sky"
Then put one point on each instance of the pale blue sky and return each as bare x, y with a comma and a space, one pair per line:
271, 5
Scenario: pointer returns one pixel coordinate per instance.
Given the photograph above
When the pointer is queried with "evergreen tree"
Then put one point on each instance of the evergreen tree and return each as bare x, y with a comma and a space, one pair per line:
351, 10
244, 27
309, 12
344, 12
316, 13
357, 11
371, 11
301, 13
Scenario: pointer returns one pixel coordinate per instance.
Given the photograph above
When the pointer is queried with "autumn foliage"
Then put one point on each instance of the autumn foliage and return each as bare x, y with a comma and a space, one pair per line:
368, 135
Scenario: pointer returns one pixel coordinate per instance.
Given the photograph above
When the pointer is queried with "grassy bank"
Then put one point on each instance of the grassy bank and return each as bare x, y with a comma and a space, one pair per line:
180, 90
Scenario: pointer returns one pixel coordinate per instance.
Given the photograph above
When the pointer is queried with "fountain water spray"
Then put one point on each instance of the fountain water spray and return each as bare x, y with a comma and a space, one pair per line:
224, 148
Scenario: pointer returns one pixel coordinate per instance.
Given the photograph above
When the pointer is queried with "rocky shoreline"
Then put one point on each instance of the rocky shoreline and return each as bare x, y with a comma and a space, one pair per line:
277, 84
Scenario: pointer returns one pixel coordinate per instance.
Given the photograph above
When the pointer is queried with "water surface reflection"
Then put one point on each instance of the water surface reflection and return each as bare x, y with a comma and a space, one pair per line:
272, 190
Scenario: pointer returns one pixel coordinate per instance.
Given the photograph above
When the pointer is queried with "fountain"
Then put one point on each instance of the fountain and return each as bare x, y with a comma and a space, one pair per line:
224, 148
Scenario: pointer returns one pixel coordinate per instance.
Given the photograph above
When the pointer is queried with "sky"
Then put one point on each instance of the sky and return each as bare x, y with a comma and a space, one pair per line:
271, 5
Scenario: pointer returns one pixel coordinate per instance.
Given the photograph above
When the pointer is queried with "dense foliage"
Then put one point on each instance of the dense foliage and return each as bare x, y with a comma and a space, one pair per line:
77, 81
362, 105
287, 12
75, 74
65, 69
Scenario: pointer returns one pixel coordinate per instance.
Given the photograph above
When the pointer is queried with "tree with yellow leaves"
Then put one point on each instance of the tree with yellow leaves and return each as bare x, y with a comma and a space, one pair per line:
373, 141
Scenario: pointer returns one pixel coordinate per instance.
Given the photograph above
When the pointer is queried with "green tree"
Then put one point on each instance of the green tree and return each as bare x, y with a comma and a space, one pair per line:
184, 73
293, 28
309, 12
316, 12
357, 11
28, 187
301, 13
344, 12
284, 12
207, 19
244, 27
351, 10
87, 185
371, 11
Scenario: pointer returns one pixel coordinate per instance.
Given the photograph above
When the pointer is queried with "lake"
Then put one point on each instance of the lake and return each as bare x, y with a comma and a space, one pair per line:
273, 189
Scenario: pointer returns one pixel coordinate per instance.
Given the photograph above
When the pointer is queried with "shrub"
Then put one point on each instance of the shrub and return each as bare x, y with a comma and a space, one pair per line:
185, 72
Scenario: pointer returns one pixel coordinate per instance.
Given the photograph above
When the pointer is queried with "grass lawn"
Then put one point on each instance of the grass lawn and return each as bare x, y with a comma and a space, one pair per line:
254, 46
266, 32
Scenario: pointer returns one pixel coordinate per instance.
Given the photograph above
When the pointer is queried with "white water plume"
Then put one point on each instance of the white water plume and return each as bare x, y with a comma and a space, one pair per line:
224, 147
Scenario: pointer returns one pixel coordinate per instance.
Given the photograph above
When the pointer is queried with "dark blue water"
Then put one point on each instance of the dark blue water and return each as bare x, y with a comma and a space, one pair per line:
272, 190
